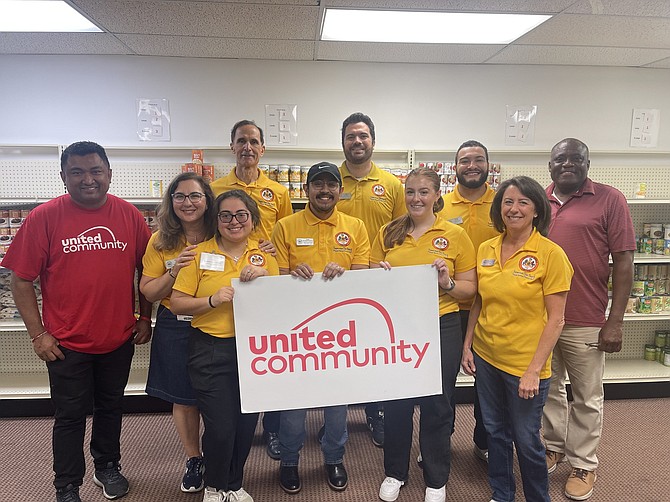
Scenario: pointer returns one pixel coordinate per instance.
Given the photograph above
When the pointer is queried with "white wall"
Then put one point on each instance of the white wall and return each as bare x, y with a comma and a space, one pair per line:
61, 99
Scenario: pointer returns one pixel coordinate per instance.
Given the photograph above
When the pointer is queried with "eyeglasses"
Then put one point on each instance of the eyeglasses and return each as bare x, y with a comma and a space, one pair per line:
194, 197
320, 184
227, 216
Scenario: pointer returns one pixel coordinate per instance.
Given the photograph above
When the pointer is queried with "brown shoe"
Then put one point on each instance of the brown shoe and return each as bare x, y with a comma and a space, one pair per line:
579, 485
553, 459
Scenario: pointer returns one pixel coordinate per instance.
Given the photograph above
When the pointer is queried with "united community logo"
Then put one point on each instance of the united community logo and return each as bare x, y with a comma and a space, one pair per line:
440, 243
257, 259
343, 239
528, 263
316, 345
93, 239
267, 194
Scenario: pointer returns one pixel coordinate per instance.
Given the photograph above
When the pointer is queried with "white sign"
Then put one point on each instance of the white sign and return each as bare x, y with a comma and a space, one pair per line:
520, 124
645, 127
281, 125
367, 336
153, 119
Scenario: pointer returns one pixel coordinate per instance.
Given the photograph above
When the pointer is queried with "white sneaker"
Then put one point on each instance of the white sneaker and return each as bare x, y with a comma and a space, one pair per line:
240, 495
213, 495
390, 489
436, 494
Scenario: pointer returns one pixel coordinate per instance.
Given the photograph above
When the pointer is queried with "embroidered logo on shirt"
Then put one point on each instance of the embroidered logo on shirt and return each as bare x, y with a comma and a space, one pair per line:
378, 190
257, 259
267, 194
343, 239
440, 243
528, 263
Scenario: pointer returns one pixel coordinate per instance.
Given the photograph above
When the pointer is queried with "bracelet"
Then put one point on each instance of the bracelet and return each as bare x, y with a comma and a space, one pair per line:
452, 285
145, 318
32, 339
209, 300
170, 273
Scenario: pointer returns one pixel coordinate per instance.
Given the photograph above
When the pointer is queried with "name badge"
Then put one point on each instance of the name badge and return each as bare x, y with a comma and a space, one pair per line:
488, 263
184, 318
304, 241
211, 261
170, 263
345, 196
457, 221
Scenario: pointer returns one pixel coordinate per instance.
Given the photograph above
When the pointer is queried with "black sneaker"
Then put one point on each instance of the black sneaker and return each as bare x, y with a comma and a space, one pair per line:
114, 485
376, 426
68, 494
272, 448
193, 477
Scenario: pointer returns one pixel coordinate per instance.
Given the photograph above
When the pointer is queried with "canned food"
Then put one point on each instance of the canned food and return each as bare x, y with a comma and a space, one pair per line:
644, 305
656, 304
283, 173
649, 352
294, 174
649, 288
638, 288
660, 337
631, 306
273, 173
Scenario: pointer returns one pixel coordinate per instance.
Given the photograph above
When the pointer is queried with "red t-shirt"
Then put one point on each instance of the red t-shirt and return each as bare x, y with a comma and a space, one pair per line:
86, 261
590, 225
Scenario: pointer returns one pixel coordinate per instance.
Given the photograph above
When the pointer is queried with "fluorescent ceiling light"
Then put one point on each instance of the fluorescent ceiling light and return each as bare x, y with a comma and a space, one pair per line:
41, 16
426, 27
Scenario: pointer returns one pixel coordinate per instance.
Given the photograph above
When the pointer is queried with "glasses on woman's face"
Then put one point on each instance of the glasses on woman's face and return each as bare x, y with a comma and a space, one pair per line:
194, 197
227, 216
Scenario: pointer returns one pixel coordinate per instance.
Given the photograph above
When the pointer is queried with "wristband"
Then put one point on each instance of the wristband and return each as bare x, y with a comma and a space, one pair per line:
170, 273
209, 300
452, 285
145, 318
36, 337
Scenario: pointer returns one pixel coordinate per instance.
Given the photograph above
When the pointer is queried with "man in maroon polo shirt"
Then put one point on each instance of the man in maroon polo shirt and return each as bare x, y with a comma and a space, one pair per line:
590, 221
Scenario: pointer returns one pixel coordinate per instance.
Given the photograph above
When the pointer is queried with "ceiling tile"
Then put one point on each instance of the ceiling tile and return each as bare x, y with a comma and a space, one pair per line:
593, 56
602, 31
405, 53
652, 8
235, 48
60, 43
543, 6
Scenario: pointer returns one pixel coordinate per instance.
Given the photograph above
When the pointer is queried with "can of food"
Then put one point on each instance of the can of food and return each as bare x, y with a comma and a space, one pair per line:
283, 173
294, 190
666, 306
631, 306
294, 174
661, 287
273, 172
660, 338
666, 357
649, 352
644, 305
647, 245
656, 304
303, 174
208, 172
649, 288
4, 218
657, 246
638, 288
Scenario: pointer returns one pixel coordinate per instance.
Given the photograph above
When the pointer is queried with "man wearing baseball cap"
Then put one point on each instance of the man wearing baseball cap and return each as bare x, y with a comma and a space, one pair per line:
318, 239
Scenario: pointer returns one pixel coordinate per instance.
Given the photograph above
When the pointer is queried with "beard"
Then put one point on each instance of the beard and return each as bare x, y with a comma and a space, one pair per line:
358, 160
472, 183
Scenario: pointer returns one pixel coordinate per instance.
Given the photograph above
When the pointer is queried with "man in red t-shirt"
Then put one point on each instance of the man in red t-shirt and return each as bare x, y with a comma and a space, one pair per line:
85, 248
590, 221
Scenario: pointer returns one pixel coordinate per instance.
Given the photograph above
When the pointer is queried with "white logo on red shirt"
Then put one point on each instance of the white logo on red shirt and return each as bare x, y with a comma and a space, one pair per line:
93, 239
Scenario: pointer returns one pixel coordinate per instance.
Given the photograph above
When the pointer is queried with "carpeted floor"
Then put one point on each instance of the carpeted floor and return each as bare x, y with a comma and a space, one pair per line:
633, 456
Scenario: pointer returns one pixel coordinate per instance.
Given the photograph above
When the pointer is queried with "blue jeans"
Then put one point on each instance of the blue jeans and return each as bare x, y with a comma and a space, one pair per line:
292, 435
508, 420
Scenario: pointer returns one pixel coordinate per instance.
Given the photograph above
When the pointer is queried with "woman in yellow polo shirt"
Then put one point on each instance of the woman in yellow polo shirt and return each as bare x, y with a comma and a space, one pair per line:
515, 321
204, 291
186, 217
421, 237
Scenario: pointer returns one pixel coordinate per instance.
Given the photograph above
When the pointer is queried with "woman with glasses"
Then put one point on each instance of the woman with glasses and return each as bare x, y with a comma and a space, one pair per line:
203, 290
422, 238
515, 321
186, 217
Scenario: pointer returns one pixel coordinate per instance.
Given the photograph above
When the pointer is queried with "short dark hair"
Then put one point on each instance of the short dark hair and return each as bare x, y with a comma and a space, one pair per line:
246, 200
572, 140
355, 118
80, 149
472, 143
531, 189
243, 123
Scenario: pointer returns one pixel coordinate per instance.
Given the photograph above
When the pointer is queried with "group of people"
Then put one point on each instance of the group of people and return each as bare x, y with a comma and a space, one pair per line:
520, 273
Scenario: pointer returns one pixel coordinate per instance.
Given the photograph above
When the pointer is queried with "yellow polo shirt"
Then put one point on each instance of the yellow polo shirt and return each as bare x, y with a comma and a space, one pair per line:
513, 312
473, 216
155, 263
443, 240
304, 238
201, 283
272, 198
376, 199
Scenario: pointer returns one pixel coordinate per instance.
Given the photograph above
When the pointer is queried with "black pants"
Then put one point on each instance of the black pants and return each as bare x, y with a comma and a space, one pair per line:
436, 421
80, 384
228, 433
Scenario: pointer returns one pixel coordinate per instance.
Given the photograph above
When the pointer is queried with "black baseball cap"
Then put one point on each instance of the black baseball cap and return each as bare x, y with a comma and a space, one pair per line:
324, 167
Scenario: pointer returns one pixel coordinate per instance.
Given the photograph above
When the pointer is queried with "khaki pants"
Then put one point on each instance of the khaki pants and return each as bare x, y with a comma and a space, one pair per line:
576, 430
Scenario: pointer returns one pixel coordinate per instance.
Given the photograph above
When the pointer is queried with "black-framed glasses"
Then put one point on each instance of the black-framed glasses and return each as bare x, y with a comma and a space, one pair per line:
194, 197
321, 184
227, 216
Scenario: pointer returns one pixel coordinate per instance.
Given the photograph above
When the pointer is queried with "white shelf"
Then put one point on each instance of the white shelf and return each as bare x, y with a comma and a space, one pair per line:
648, 201
665, 316
650, 258
13, 324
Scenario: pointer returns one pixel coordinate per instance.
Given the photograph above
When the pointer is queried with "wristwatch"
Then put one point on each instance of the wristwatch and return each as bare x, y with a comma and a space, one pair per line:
452, 285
